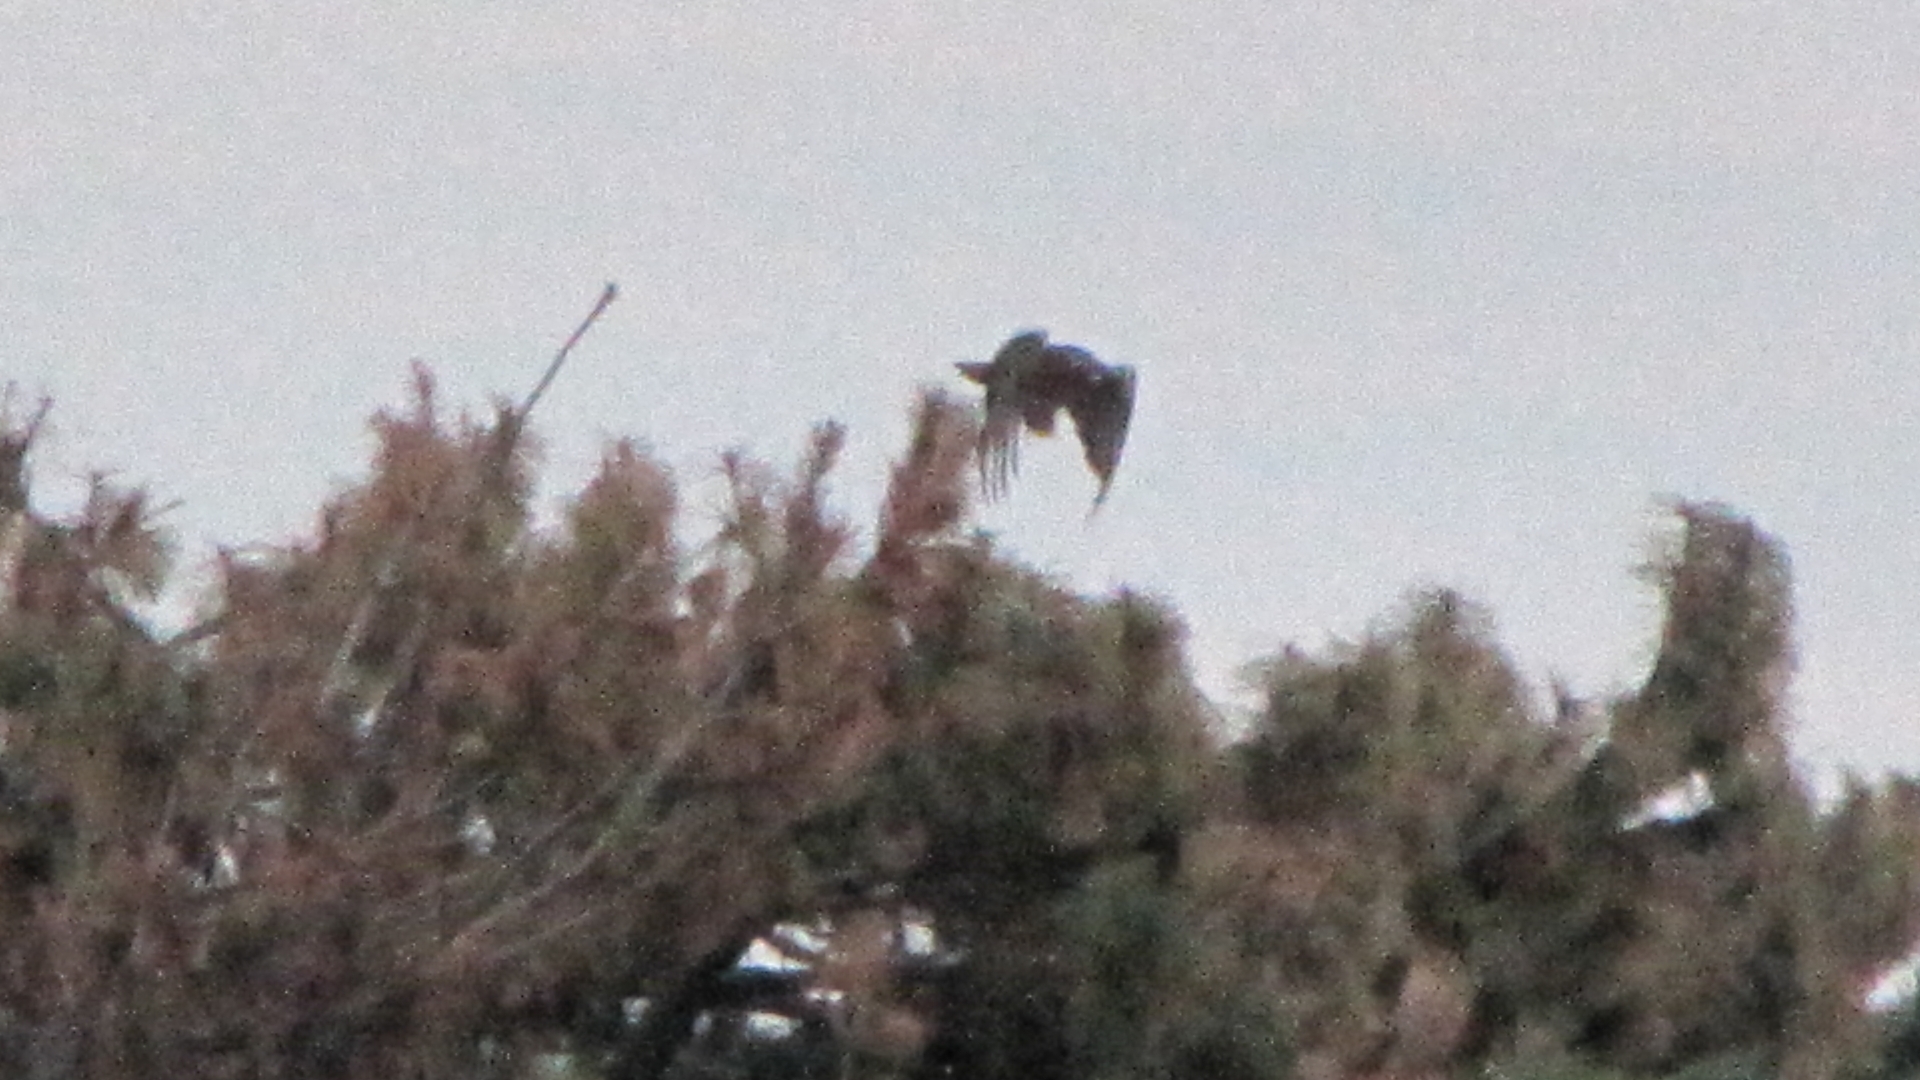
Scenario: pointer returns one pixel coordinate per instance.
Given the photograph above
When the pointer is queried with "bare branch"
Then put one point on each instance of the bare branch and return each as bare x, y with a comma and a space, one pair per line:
559, 358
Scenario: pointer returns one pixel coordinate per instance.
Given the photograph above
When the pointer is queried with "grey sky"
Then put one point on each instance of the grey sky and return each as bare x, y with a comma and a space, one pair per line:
1421, 292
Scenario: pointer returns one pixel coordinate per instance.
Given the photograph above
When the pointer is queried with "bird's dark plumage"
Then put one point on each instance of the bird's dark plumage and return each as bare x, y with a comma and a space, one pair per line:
1028, 382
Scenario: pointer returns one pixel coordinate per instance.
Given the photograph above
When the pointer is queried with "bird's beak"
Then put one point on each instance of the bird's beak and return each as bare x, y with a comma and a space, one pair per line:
974, 370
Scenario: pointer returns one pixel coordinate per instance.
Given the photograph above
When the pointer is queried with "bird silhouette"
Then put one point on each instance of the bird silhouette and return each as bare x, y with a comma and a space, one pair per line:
1028, 382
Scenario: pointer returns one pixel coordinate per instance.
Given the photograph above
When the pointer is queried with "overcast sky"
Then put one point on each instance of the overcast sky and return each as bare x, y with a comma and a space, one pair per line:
1421, 292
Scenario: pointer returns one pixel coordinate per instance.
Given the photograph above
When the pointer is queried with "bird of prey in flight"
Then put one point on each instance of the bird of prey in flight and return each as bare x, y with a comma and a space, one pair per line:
1028, 382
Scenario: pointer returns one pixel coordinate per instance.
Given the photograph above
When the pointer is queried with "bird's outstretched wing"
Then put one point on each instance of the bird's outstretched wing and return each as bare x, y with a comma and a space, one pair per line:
1009, 380
1102, 412
999, 450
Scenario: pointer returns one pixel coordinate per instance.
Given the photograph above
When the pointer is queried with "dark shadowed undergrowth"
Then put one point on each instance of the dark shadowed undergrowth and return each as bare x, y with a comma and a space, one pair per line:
436, 794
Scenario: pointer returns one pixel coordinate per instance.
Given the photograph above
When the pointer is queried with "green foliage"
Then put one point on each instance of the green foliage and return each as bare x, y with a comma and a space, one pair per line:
1161, 991
433, 793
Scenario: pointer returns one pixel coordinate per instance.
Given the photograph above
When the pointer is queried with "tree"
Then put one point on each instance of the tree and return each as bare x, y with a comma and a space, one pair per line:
435, 793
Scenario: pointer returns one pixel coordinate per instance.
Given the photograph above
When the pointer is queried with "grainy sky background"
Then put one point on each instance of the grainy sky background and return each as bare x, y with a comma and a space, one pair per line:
1421, 292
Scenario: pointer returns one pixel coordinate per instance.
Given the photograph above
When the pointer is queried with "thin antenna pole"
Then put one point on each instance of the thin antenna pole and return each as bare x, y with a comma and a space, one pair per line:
560, 357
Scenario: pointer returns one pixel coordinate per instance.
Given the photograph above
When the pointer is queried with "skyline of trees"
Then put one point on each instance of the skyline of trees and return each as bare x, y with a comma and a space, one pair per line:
435, 792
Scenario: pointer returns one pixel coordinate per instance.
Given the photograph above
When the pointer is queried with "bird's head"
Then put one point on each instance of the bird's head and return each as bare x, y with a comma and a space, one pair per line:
1026, 343
1020, 353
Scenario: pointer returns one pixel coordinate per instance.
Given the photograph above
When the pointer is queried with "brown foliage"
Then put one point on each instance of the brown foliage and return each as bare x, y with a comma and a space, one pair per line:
434, 793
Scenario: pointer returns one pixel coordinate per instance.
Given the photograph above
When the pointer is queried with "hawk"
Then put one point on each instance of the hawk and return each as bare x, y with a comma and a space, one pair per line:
1029, 381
